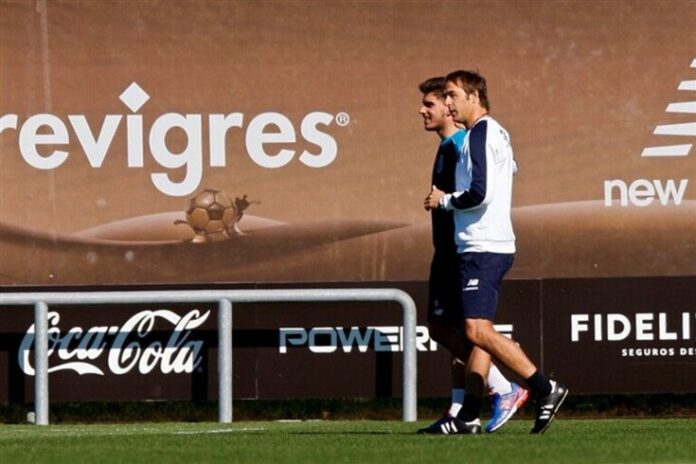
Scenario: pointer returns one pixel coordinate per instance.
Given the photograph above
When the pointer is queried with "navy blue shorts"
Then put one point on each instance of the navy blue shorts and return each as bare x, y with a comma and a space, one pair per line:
480, 275
443, 290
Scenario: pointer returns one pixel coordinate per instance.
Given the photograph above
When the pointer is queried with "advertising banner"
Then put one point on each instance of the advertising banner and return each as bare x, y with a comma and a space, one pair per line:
116, 116
622, 335
260, 143
280, 350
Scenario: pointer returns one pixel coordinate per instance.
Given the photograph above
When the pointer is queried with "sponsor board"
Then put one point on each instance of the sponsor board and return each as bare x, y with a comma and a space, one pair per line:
623, 344
132, 352
621, 335
114, 118
103, 155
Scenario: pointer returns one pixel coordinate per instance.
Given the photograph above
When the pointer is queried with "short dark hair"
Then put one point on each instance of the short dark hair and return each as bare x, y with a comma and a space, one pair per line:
471, 81
434, 85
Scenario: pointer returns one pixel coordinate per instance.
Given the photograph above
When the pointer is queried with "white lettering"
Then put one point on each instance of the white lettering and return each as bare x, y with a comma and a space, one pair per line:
219, 125
387, 339
662, 325
578, 323
616, 326
95, 148
29, 138
354, 336
9, 121
134, 124
256, 138
423, 340
191, 156
644, 326
642, 192
380, 338
315, 347
597, 327
329, 148
612, 333
177, 355
670, 190
48, 129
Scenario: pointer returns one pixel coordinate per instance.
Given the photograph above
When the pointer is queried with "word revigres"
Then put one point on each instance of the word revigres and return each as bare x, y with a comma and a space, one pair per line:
49, 130
127, 349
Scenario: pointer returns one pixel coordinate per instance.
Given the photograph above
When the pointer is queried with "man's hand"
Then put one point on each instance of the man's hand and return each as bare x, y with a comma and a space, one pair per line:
432, 201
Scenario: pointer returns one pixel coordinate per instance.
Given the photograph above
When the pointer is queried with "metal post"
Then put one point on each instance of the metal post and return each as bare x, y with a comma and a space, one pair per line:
410, 407
41, 363
225, 360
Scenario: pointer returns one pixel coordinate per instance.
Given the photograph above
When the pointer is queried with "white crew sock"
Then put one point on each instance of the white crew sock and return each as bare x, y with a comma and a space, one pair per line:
497, 383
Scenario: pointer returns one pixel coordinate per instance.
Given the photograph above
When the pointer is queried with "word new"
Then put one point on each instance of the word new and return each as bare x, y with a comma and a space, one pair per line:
643, 192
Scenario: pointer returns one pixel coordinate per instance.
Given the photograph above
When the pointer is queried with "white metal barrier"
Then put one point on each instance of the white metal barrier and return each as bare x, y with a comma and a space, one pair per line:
224, 298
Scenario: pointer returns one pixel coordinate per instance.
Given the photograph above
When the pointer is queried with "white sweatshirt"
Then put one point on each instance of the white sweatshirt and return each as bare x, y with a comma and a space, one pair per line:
483, 198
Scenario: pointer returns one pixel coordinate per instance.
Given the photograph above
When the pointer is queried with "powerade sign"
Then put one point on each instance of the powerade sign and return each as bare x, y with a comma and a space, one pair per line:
325, 340
266, 137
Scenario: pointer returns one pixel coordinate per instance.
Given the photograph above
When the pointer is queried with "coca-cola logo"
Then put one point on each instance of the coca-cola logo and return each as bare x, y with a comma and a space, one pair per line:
129, 347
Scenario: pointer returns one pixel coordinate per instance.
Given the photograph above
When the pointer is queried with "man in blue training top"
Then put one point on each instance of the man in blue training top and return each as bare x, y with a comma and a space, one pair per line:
485, 240
443, 301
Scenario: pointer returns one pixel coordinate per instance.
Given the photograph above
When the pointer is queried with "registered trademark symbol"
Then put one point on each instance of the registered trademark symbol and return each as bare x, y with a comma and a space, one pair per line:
342, 119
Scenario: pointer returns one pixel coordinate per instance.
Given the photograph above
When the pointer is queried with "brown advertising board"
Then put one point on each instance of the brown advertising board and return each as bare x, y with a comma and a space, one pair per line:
116, 117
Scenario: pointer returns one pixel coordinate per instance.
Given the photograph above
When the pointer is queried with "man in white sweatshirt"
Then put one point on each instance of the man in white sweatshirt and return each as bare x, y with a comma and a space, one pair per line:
485, 248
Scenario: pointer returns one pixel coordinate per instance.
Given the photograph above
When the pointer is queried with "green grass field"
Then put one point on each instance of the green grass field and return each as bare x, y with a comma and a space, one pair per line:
567, 441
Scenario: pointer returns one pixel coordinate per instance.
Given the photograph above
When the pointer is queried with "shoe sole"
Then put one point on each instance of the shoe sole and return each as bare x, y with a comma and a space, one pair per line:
518, 404
553, 414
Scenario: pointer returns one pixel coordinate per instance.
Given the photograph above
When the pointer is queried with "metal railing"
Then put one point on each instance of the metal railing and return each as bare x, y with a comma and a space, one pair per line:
224, 298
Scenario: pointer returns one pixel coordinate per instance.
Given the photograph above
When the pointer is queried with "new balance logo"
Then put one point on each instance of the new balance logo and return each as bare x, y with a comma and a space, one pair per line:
644, 192
687, 129
471, 285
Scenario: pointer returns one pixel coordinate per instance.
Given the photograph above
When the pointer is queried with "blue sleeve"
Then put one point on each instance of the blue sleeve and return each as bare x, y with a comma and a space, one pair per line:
477, 150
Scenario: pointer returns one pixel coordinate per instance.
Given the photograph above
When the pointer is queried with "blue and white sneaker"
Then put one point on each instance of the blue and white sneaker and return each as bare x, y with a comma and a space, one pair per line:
504, 406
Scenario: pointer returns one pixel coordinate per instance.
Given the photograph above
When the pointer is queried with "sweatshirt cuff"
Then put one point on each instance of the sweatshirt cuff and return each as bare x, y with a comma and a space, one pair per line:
444, 201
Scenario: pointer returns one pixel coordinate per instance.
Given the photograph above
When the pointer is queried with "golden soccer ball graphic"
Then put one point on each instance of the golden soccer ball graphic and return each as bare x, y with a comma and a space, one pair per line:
211, 212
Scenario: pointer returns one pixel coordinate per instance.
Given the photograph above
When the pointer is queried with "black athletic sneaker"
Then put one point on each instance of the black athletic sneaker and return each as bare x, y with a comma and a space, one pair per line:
547, 407
448, 425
